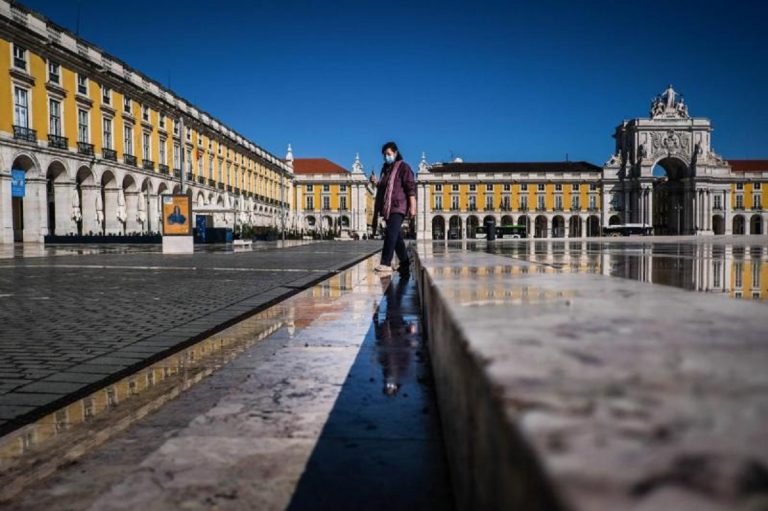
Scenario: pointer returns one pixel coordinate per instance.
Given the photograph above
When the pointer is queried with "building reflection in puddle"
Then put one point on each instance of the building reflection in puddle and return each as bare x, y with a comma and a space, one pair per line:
738, 271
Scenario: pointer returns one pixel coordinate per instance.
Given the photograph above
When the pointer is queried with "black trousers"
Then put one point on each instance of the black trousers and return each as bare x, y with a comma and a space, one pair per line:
393, 241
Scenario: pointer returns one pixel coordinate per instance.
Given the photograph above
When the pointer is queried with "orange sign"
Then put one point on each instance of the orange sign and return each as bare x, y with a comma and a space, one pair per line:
177, 215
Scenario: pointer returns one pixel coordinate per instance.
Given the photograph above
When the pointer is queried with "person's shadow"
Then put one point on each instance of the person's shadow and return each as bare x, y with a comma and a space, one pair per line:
381, 447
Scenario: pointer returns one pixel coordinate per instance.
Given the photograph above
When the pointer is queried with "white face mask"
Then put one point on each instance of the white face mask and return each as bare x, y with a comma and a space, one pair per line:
389, 158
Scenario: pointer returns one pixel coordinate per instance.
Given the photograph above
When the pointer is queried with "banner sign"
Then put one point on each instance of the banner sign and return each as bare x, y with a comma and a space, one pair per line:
177, 215
18, 183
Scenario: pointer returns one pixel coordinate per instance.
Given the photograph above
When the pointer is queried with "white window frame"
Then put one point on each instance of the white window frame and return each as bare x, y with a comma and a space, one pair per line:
128, 140
26, 107
106, 95
107, 133
146, 145
162, 153
51, 65
145, 116
127, 105
80, 77
87, 133
23, 52
55, 128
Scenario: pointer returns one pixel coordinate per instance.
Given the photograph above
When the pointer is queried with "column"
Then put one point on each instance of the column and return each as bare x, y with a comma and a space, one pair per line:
132, 208
88, 209
727, 220
35, 210
62, 199
6, 211
111, 224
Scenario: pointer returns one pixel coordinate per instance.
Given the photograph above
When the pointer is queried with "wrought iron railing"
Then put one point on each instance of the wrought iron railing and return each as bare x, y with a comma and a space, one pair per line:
109, 154
148, 164
129, 159
58, 142
24, 133
85, 148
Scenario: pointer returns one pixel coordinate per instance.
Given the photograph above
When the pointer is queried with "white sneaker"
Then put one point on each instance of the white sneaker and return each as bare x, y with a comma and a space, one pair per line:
383, 268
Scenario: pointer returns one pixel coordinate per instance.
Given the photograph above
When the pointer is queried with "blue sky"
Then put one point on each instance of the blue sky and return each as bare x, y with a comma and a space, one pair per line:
486, 81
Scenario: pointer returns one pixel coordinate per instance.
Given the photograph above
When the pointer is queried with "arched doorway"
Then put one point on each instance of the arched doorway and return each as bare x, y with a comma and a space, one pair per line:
525, 221
147, 207
507, 220
87, 196
540, 226
614, 220
738, 224
574, 227
25, 219
489, 219
128, 206
593, 225
58, 197
756, 225
454, 228
718, 224
106, 205
311, 222
558, 227
438, 228
472, 223
672, 202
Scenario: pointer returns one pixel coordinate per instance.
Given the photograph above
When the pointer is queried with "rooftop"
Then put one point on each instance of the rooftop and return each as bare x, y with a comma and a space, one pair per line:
515, 166
317, 166
749, 165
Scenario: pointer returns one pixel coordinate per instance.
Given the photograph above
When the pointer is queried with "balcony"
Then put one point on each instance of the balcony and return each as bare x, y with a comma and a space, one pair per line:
237, 190
85, 148
212, 183
541, 208
592, 208
163, 168
310, 209
558, 208
25, 134
58, 142
229, 188
523, 207
221, 186
717, 207
472, 207
739, 207
129, 159
189, 177
109, 154
177, 173
148, 164
201, 180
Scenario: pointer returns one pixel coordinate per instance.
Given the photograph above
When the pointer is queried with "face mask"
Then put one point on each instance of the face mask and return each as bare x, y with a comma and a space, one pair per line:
389, 158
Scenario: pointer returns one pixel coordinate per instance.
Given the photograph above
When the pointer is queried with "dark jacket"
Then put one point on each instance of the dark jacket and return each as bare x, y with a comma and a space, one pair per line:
403, 188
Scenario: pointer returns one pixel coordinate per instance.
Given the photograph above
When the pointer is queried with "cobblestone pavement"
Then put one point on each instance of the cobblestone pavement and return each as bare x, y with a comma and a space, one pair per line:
73, 322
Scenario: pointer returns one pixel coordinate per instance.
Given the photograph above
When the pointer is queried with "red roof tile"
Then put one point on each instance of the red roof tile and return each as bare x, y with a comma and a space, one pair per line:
317, 166
749, 165
515, 166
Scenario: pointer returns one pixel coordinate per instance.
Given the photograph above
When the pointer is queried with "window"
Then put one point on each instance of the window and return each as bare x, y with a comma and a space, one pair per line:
310, 188
177, 159
756, 201
489, 202
21, 107
757, 186
54, 117
19, 57
524, 202
220, 175
575, 202
592, 187
438, 202
188, 154
472, 187
82, 125
739, 186
455, 188
717, 203
326, 202
558, 187
738, 271
342, 188
454, 202
161, 152
524, 187
540, 187
505, 203
342, 203
128, 140
575, 187
176, 130
310, 201
82, 84
54, 73
106, 124
326, 188
507, 187
127, 105
146, 145
540, 202
438, 187
488, 187
161, 121
592, 202
189, 134
145, 113
472, 203
756, 274
106, 95
558, 202
739, 202
199, 164
210, 166
717, 268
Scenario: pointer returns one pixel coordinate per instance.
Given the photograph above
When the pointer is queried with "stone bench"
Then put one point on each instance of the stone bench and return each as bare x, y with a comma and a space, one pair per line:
242, 243
588, 392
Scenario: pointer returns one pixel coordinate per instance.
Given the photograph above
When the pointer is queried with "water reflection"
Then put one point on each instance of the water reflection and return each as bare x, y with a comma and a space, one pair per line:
738, 271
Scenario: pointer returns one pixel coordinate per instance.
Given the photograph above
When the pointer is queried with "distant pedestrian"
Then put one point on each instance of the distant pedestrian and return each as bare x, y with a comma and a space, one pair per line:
395, 201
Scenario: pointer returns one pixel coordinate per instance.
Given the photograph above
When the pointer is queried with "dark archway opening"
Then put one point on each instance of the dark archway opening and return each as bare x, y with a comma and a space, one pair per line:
671, 208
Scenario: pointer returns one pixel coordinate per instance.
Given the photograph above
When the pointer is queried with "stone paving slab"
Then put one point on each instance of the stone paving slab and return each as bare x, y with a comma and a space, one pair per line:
73, 322
578, 391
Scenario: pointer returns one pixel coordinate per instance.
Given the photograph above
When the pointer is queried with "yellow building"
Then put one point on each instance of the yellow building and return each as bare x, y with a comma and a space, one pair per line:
330, 199
91, 144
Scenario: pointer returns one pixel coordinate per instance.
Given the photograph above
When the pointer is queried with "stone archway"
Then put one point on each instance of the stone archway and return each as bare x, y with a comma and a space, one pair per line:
672, 198
738, 224
438, 228
574, 227
540, 227
593, 225
525, 221
28, 211
756, 224
507, 220
454, 228
718, 224
87, 194
558, 227
59, 190
472, 223
107, 204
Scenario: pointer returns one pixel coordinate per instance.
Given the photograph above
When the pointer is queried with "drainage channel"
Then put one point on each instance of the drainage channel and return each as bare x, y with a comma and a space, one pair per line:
323, 401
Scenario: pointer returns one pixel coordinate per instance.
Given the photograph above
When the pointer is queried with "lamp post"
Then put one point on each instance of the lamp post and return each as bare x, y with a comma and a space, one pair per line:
282, 203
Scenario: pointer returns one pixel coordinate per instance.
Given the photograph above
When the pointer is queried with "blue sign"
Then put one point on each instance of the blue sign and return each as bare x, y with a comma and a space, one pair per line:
17, 183
200, 225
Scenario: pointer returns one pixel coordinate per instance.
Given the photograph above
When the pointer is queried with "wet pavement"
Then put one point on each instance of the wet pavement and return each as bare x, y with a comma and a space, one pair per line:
73, 323
735, 266
323, 401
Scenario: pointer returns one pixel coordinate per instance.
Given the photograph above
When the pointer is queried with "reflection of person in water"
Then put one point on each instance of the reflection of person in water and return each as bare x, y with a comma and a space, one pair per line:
392, 337
176, 217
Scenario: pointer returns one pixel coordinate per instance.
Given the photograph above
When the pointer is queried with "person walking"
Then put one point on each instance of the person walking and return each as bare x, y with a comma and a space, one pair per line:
395, 201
